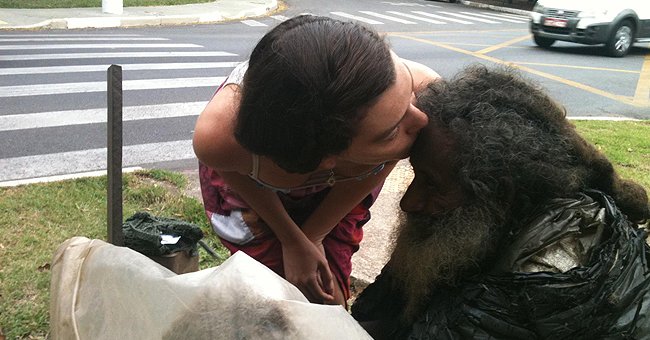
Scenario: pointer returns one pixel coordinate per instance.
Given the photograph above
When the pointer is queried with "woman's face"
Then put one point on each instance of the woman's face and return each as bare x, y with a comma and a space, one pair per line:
390, 125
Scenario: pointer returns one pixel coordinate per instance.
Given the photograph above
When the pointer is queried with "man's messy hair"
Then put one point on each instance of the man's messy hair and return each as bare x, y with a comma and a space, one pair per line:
516, 147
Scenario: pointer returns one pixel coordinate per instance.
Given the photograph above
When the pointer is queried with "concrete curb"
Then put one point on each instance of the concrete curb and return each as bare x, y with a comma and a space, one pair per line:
104, 20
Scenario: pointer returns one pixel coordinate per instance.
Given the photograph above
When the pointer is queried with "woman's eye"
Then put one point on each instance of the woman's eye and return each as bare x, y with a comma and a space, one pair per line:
393, 134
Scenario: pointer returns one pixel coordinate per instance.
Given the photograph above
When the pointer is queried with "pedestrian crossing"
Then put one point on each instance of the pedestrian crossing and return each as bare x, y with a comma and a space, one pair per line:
414, 17
53, 86
67, 72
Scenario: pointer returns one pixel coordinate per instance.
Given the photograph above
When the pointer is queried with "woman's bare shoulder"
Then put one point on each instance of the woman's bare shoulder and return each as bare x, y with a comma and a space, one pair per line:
214, 140
422, 74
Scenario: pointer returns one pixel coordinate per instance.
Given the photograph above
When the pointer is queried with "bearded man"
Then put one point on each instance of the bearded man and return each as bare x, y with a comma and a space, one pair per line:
501, 236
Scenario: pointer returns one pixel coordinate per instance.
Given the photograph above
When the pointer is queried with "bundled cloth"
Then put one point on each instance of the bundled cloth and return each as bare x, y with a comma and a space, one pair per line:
157, 236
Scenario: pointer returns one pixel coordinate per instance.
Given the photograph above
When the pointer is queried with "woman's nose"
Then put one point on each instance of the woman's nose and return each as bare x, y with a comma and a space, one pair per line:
418, 120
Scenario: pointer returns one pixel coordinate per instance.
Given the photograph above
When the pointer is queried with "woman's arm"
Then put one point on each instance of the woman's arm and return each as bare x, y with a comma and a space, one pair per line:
215, 146
341, 199
304, 263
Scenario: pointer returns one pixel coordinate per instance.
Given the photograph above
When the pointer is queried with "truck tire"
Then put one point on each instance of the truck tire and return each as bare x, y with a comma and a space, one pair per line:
543, 42
621, 40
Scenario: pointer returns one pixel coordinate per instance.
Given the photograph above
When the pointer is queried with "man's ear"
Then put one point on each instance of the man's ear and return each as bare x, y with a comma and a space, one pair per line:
328, 162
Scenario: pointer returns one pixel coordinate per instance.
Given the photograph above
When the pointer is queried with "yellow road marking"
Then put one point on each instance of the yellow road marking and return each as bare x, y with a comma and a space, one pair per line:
504, 44
642, 93
580, 67
451, 43
3, 23
619, 98
475, 45
473, 33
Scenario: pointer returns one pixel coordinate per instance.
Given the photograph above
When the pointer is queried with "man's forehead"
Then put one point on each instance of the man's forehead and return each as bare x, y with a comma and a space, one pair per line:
423, 146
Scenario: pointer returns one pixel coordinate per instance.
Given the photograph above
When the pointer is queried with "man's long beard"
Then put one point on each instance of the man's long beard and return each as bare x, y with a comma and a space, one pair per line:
435, 251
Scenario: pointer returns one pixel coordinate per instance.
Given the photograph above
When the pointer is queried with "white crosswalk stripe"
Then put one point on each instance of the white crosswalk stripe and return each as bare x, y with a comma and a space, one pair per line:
253, 23
388, 17
279, 17
82, 39
493, 17
31, 63
93, 116
125, 67
462, 16
100, 86
108, 55
72, 35
358, 18
427, 16
93, 159
93, 46
411, 16
464, 22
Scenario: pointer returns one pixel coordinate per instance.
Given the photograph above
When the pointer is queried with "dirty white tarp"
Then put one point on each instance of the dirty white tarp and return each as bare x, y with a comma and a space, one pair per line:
100, 291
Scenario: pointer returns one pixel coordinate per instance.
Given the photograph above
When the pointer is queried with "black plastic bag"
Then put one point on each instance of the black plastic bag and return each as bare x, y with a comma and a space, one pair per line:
148, 235
605, 296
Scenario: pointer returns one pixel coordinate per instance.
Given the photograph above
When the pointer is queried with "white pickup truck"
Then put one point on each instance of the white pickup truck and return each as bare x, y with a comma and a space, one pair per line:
616, 23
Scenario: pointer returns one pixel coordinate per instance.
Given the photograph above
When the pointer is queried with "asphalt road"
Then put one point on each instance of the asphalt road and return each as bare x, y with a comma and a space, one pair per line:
53, 91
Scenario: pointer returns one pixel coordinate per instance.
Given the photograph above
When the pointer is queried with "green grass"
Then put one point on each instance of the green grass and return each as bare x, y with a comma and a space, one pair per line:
89, 3
626, 144
35, 219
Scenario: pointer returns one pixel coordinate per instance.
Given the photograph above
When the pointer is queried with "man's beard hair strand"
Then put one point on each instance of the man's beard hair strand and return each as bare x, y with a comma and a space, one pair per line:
434, 251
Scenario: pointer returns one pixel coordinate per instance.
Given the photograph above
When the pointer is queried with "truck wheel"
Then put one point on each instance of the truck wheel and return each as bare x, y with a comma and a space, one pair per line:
621, 40
543, 42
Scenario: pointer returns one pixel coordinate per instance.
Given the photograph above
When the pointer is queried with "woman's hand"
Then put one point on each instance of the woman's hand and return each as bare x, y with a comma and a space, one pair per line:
306, 267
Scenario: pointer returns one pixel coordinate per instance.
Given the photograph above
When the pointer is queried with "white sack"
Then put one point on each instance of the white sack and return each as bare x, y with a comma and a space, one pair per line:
100, 291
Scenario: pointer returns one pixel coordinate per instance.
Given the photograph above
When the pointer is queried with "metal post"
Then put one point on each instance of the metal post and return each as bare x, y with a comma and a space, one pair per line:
114, 161
112, 6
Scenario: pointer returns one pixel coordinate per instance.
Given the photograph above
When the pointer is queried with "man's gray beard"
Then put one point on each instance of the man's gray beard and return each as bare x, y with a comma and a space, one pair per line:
435, 250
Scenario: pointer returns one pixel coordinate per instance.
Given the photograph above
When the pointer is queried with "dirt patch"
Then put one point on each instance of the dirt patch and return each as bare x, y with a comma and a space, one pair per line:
193, 188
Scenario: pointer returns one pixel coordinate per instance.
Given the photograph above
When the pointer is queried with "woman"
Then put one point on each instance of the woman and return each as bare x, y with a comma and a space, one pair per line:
295, 145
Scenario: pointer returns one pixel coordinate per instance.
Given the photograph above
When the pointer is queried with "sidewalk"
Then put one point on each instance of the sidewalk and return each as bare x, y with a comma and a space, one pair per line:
92, 17
216, 11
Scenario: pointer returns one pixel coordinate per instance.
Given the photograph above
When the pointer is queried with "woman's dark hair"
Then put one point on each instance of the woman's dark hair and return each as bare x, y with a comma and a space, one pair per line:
306, 82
